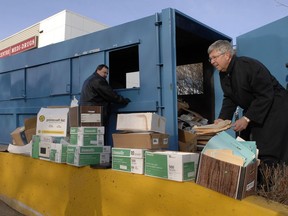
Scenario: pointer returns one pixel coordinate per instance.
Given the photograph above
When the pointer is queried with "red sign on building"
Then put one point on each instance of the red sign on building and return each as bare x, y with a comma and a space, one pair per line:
25, 45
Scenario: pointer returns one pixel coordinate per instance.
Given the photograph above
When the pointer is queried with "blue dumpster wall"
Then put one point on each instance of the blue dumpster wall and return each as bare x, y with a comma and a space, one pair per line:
52, 75
269, 44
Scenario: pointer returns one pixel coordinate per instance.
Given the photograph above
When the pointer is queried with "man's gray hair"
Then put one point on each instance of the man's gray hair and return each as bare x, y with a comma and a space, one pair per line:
222, 46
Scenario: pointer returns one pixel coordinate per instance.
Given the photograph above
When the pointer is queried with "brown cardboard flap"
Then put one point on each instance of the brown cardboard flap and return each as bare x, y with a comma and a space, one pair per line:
30, 123
23, 135
186, 136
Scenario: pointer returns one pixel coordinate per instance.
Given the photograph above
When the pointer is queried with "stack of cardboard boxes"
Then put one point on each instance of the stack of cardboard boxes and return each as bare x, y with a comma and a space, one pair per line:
72, 135
75, 136
141, 147
138, 132
87, 146
51, 128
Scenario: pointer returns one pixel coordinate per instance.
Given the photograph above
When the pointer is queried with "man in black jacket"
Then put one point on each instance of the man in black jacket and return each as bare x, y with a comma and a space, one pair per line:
97, 92
247, 83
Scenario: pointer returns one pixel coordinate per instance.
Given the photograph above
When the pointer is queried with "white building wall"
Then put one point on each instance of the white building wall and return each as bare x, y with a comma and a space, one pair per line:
52, 29
62, 26
77, 25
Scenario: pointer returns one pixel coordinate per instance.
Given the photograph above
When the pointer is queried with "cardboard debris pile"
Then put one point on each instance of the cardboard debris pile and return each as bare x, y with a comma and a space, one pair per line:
187, 119
193, 129
72, 135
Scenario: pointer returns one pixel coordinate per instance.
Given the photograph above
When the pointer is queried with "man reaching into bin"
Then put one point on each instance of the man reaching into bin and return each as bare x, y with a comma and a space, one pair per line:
247, 83
97, 92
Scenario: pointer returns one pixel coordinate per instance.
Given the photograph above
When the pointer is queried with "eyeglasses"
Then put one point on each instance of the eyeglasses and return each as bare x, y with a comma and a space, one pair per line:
215, 57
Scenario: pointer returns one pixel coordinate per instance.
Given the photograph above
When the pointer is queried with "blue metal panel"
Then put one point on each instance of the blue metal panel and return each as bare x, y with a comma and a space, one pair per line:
60, 78
38, 84
269, 44
5, 86
18, 84
7, 125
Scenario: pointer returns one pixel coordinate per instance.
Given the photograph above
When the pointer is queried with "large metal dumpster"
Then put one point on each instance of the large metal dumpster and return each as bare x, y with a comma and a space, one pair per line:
150, 50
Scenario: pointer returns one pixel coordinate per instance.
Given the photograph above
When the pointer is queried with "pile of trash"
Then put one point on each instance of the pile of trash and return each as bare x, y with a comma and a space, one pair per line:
192, 122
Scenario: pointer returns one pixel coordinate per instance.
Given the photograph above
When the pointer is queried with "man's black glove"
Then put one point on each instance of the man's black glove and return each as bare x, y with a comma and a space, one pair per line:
126, 101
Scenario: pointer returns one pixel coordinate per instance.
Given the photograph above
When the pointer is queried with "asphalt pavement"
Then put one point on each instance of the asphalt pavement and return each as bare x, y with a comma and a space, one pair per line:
6, 210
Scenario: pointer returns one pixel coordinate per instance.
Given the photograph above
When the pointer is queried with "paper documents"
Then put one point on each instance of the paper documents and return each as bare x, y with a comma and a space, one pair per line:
212, 128
226, 148
25, 150
225, 155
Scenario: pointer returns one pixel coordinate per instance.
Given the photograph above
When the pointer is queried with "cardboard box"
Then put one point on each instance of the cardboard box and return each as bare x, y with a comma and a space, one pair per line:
234, 181
141, 122
187, 141
88, 155
145, 140
52, 122
23, 135
85, 136
41, 145
128, 160
172, 165
128, 164
86, 116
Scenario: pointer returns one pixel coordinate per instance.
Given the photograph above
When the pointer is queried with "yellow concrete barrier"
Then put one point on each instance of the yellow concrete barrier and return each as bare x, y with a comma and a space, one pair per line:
37, 187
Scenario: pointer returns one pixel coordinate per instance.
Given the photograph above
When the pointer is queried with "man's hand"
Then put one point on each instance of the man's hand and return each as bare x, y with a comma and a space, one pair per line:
126, 101
240, 124
216, 121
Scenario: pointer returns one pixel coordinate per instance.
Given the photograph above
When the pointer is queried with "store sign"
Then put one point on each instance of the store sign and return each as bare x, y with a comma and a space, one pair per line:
25, 45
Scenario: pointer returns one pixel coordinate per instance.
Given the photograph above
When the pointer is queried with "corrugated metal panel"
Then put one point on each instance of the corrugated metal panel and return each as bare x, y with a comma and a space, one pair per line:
20, 36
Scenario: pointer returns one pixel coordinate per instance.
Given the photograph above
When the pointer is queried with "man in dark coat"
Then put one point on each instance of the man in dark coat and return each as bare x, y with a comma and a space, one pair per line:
247, 83
97, 92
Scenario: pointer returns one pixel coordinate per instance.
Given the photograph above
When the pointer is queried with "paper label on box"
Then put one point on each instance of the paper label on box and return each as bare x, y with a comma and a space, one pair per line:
127, 164
121, 163
87, 130
250, 186
126, 152
87, 159
156, 165
88, 118
137, 165
52, 121
123, 167
155, 141
171, 165
88, 149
